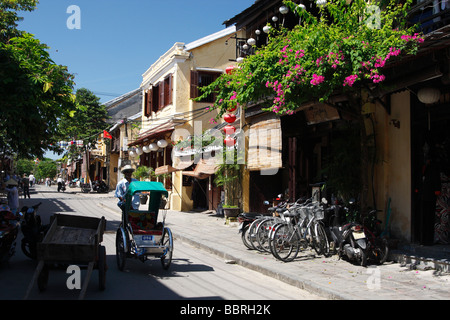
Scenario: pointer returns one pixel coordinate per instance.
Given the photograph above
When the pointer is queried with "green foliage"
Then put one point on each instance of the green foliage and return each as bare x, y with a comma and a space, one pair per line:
335, 53
24, 166
86, 122
31, 84
46, 169
143, 172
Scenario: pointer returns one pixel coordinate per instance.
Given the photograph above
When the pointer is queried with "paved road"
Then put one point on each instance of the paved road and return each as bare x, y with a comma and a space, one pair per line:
194, 274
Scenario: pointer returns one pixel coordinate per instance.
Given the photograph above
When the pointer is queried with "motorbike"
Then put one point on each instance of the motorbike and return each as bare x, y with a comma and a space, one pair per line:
32, 229
100, 187
61, 186
9, 229
349, 239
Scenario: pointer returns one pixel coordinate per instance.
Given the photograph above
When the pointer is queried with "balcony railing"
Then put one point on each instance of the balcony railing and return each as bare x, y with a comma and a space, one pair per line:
430, 15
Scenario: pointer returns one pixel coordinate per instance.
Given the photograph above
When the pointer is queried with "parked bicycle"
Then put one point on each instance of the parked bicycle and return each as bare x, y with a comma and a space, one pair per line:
303, 228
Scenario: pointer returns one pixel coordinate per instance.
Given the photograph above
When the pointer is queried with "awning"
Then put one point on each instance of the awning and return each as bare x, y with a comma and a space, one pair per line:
165, 169
155, 131
204, 169
265, 146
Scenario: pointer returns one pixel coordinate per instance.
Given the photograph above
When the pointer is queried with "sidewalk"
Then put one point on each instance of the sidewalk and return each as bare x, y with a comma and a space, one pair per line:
328, 277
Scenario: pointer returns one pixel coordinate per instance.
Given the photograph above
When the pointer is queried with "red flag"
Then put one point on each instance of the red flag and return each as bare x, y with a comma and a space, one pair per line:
106, 135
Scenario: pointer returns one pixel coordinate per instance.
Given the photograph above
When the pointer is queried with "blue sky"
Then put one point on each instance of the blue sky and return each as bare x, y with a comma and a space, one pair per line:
119, 40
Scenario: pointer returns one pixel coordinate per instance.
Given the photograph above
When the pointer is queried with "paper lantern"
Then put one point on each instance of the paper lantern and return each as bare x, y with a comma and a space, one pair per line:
162, 143
146, 149
153, 146
429, 95
229, 141
132, 154
230, 118
139, 151
229, 129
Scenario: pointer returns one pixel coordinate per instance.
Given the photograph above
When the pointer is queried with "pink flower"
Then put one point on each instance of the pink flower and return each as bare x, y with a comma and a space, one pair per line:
350, 80
317, 79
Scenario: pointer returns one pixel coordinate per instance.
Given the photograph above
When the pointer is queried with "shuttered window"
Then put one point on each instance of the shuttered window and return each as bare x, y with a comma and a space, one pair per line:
159, 96
202, 79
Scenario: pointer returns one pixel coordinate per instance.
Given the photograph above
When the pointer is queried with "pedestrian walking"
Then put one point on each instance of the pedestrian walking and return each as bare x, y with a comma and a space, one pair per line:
13, 195
32, 179
26, 186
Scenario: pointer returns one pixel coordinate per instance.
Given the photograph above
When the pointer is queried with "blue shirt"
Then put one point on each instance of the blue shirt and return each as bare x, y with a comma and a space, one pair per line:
121, 190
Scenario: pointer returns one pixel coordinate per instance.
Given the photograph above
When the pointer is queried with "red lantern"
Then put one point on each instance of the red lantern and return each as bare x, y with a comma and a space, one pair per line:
230, 118
229, 129
231, 109
229, 69
229, 141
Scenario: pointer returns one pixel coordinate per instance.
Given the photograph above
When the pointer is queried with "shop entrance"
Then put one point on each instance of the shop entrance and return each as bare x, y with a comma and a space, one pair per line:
430, 163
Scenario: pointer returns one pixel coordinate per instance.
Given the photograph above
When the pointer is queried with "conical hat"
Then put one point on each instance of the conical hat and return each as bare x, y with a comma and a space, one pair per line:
11, 182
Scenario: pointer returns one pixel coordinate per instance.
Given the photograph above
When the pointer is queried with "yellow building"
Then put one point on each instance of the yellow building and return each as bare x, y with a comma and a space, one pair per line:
168, 87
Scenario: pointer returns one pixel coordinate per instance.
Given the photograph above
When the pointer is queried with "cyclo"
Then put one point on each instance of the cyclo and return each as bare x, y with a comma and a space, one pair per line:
140, 235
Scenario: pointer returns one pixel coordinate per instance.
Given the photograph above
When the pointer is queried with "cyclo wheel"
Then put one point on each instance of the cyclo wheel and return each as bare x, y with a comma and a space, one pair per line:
121, 255
285, 245
167, 241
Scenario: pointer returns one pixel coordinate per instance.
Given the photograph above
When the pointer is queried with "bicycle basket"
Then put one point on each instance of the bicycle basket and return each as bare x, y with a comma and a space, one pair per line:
319, 214
302, 211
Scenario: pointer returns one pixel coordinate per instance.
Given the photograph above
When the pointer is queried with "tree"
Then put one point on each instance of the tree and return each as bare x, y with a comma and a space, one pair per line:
340, 52
87, 122
31, 84
46, 169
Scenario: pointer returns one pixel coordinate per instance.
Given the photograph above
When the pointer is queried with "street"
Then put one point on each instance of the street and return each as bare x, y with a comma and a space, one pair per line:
194, 274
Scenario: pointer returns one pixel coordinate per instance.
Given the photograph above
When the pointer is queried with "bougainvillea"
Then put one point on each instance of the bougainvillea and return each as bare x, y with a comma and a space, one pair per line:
347, 46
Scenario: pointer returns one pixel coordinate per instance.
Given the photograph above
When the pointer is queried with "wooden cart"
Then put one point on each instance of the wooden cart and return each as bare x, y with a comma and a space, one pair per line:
71, 240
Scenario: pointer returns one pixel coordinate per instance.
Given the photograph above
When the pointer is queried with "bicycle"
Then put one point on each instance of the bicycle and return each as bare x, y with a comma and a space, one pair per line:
377, 246
303, 230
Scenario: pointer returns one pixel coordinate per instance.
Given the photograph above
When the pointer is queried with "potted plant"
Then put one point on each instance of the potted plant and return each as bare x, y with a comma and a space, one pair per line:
229, 177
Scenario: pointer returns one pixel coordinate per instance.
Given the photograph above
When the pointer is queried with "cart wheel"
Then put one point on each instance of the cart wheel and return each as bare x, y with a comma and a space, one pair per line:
42, 279
121, 255
167, 241
101, 268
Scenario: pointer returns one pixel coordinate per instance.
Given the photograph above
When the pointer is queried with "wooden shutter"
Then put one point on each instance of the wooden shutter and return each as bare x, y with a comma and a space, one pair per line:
168, 90
148, 104
161, 95
194, 84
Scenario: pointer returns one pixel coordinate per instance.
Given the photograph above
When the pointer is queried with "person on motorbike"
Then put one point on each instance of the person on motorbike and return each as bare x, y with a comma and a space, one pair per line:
60, 182
122, 187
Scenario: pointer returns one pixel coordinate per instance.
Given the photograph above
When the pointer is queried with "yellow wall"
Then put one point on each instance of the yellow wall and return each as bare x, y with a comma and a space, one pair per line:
393, 168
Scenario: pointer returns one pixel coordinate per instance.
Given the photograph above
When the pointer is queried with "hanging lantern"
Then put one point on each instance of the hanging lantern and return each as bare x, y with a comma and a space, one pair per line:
229, 141
139, 151
229, 129
283, 9
230, 69
132, 154
162, 143
146, 149
231, 109
153, 146
230, 117
429, 95
266, 29
251, 41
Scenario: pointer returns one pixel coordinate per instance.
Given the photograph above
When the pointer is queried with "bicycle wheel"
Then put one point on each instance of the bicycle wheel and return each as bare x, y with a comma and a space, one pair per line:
285, 243
252, 234
244, 237
262, 234
322, 240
